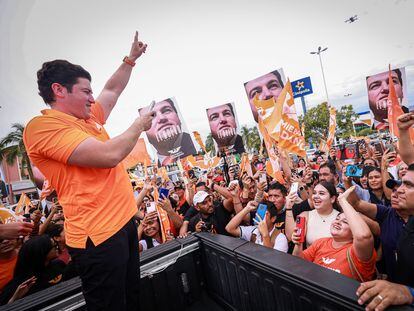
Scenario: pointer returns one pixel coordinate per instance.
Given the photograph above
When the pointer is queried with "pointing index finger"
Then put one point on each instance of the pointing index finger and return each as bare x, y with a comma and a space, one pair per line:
136, 36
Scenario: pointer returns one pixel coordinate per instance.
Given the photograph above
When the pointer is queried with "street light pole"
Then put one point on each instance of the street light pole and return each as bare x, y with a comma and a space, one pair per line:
320, 50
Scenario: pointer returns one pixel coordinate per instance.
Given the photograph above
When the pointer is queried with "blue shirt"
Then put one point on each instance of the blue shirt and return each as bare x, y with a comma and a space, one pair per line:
391, 225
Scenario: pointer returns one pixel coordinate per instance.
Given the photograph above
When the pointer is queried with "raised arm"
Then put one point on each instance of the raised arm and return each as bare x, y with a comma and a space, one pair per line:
118, 81
233, 227
387, 157
405, 146
363, 241
95, 153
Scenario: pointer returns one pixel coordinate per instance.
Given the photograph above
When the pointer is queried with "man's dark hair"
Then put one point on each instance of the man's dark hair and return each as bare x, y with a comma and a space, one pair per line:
231, 108
398, 72
58, 71
54, 230
170, 101
332, 168
271, 208
277, 186
277, 75
411, 167
399, 76
200, 184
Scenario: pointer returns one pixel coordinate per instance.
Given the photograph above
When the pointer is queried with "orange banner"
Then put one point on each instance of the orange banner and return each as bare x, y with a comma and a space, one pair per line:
245, 165
394, 109
199, 140
164, 222
24, 205
139, 154
204, 162
281, 122
325, 146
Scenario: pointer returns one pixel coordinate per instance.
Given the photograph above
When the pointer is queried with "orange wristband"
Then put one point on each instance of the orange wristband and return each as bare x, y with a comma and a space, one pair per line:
126, 60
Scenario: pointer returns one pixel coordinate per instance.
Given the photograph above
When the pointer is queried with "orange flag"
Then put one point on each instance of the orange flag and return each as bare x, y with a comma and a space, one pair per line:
325, 146
138, 154
245, 165
199, 140
23, 205
394, 109
332, 127
282, 122
162, 171
204, 162
164, 222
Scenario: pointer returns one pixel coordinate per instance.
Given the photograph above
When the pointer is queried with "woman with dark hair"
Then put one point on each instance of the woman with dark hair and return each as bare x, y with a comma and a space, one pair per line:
350, 248
36, 268
319, 219
57, 233
375, 188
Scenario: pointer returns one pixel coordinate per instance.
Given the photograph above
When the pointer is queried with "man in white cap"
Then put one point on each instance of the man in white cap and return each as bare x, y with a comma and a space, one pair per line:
210, 218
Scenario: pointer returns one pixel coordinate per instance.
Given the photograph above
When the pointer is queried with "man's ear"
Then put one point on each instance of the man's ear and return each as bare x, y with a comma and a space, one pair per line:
59, 90
196, 207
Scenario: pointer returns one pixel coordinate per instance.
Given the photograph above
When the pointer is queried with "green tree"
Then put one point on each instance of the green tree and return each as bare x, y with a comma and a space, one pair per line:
365, 132
251, 138
210, 144
345, 118
12, 148
316, 123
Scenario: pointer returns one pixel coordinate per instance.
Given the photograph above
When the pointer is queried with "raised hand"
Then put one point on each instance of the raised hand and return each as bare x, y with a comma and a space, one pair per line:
252, 206
15, 229
405, 121
262, 226
234, 189
344, 196
137, 48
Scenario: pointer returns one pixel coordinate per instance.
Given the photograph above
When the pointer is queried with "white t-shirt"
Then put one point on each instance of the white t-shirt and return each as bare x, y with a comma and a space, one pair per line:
145, 246
281, 242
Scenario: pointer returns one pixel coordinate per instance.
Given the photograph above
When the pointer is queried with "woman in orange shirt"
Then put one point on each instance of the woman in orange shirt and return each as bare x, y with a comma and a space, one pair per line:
350, 250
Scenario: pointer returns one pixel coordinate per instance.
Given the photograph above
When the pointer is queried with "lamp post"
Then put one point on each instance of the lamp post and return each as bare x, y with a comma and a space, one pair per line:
320, 50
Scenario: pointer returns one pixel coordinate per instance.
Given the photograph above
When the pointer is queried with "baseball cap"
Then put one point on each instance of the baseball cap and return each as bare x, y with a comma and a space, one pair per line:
199, 197
391, 183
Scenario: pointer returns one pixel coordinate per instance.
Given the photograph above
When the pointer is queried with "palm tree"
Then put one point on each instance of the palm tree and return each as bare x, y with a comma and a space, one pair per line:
12, 147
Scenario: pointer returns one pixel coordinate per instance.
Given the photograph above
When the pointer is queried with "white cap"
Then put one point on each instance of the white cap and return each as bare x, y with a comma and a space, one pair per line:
199, 197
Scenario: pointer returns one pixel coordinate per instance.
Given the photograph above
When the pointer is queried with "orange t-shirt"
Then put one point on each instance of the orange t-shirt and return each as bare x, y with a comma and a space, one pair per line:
7, 271
96, 202
324, 254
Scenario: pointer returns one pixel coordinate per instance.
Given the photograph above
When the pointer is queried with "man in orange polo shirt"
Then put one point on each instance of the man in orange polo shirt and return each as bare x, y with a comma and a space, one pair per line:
72, 149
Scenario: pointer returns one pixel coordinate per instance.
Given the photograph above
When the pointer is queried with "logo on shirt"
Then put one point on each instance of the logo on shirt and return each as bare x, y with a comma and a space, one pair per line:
328, 261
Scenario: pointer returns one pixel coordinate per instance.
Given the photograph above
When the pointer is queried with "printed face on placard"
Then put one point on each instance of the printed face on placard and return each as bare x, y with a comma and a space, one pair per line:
265, 87
223, 125
168, 133
378, 91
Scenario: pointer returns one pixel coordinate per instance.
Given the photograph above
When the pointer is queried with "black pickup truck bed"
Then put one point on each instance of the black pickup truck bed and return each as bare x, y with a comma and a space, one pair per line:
214, 272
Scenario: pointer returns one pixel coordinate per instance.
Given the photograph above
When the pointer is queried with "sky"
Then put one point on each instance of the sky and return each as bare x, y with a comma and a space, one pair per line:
201, 52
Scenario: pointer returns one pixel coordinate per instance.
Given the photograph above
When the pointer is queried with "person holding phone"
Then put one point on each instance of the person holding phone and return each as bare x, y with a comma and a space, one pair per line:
319, 219
263, 232
350, 249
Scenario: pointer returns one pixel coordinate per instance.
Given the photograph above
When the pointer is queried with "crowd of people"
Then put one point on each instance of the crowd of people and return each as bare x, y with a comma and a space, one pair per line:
351, 216
357, 226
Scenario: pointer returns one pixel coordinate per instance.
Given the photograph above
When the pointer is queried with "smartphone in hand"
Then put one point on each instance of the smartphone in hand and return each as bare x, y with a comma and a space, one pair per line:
261, 211
150, 207
300, 224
